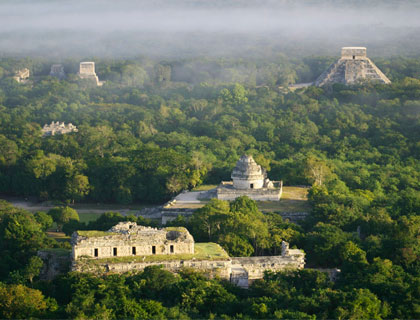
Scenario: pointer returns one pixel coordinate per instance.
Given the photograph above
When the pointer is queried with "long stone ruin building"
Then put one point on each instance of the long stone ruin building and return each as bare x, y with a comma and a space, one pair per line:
57, 71
87, 71
58, 128
131, 247
249, 179
129, 239
354, 66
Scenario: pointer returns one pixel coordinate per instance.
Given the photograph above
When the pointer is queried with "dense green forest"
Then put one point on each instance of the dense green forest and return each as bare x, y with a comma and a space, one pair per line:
158, 127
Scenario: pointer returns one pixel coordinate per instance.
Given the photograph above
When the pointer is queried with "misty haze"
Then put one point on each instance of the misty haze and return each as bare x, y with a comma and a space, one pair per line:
188, 28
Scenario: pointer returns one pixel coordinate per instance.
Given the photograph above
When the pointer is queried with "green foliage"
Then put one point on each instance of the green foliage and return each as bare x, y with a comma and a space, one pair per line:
20, 302
45, 220
63, 215
20, 237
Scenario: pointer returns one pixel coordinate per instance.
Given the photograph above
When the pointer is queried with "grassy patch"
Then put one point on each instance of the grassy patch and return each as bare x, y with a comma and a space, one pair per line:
179, 229
203, 251
284, 206
89, 216
205, 187
293, 199
95, 233
108, 206
59, 236
294, 193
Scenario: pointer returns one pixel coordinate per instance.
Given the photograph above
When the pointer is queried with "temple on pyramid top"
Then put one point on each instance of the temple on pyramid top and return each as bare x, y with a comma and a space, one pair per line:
354, 66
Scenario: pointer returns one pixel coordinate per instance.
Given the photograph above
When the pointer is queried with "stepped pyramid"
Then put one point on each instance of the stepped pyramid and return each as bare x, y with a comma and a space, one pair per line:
352, 67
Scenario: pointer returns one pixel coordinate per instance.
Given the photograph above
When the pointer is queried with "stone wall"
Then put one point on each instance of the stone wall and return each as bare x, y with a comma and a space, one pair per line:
265, 194
238, 270
56, 262
255, 266
213, 268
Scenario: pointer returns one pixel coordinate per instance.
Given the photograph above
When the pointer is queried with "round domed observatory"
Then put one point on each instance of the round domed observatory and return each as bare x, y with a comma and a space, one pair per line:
248, 174
249, 179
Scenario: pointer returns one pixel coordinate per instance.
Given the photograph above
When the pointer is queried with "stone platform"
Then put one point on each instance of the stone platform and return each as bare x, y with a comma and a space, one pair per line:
226, 191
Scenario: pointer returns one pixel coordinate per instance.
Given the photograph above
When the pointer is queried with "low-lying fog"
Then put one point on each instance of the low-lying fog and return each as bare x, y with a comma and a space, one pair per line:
186, 28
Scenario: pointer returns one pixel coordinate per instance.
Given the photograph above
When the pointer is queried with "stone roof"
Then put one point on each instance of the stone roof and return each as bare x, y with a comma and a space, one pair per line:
130, 230
246, 168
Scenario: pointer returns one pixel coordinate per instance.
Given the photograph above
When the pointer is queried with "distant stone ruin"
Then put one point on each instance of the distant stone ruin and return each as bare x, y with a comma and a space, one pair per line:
87, 71
354, 66
130, 247
249, 179
58, 128
57, 71
22, 75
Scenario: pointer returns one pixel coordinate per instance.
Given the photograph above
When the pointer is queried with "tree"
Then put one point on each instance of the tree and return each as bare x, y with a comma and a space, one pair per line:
33, 268
9, 151
45, 220
360, 304
317, 170
206, 221
77, 187
20, 238
323, 245
236, 245
62, 215
20, 302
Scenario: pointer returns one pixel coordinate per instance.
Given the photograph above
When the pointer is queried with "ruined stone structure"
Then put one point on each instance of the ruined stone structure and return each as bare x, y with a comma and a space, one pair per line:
57, 70
129, 239
129, 247
354, 66
22, 76
247, 269
58, 128
249, 179
87, 71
